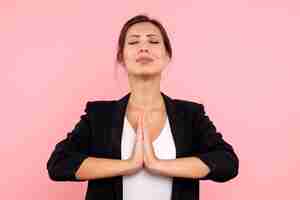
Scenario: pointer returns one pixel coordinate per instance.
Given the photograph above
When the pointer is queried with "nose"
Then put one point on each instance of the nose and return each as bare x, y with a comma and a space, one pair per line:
143, 50
143, 47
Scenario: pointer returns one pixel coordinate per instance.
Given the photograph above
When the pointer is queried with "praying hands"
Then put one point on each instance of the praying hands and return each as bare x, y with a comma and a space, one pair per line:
143, 155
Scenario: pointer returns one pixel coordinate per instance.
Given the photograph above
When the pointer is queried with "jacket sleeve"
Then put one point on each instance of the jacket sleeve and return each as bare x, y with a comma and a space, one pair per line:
70, 152
215, 152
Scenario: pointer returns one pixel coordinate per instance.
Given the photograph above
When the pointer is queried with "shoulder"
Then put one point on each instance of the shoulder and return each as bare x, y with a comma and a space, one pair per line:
99, 105
189, 106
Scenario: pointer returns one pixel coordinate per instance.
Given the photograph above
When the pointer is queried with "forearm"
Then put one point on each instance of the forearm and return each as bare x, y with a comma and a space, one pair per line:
187, 167
94, 168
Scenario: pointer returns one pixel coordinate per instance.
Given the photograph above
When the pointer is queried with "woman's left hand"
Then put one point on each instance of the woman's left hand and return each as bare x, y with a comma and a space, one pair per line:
150, 159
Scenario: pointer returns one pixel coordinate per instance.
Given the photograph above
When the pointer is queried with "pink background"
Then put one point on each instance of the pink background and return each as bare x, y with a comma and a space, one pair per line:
239, 58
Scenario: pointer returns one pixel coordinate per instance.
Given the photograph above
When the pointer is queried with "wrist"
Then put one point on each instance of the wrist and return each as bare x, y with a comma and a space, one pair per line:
155, 166
131, 167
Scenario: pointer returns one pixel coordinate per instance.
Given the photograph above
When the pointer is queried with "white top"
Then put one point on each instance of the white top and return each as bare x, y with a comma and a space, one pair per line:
144, 185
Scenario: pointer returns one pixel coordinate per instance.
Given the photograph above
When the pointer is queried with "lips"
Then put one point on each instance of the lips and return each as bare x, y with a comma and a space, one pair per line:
144, 59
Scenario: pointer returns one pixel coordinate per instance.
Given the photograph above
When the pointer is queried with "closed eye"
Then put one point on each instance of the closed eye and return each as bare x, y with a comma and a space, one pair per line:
152, 42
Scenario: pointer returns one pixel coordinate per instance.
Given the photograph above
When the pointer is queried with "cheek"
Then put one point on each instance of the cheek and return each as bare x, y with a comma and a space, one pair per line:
159, 52
129, 54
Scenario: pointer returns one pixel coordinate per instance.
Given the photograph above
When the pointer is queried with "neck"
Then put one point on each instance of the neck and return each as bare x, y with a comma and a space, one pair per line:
145, 94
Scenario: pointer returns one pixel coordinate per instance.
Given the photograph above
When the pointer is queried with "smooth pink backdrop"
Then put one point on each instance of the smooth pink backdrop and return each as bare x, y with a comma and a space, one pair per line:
239, 58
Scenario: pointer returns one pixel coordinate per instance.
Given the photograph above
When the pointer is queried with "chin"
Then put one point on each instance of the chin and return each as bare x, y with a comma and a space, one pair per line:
138, 69
150, 70
146, 73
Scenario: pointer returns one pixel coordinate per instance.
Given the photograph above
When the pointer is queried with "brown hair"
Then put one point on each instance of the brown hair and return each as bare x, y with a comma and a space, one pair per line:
138, 19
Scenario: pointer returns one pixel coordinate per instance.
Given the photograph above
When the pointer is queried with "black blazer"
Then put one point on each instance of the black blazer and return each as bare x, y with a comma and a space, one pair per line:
99, 131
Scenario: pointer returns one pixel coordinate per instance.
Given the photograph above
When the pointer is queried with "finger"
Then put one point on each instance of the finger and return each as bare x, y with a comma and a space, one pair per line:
147, 142
140, 127
145, 131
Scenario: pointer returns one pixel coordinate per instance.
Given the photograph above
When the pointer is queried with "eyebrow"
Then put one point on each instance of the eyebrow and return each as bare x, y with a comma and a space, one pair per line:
148, 35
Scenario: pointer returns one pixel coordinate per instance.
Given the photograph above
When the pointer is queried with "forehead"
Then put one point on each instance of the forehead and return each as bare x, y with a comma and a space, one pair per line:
142, 29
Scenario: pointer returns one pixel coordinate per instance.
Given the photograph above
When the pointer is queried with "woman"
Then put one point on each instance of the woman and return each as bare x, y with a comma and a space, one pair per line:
146, 144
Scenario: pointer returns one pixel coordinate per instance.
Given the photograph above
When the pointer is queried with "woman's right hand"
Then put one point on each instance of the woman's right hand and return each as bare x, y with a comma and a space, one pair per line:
136, 159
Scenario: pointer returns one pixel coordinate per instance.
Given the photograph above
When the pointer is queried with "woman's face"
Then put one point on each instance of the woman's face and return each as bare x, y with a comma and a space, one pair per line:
144, 51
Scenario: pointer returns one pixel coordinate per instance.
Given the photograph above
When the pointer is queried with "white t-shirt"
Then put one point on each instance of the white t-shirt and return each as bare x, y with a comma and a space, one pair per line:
144, 185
